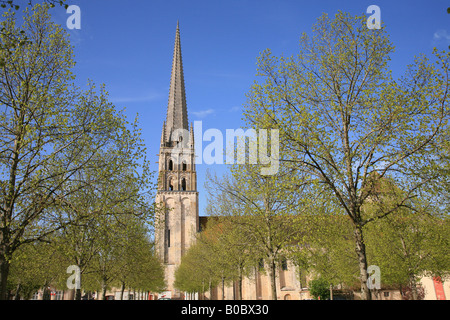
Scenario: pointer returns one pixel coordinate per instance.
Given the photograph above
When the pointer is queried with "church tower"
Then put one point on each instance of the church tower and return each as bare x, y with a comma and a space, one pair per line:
177, 196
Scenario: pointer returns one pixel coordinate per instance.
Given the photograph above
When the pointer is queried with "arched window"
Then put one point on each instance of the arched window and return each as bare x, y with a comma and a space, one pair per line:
170, 184
168, 238
184, 166
170, 165
261, 264
183, 184
284, 265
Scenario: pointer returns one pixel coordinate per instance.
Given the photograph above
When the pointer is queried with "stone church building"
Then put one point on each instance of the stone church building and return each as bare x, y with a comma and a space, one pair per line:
179, 221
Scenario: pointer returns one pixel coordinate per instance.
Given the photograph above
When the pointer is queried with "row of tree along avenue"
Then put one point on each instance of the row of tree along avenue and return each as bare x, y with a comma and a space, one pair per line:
75, 188
364, 168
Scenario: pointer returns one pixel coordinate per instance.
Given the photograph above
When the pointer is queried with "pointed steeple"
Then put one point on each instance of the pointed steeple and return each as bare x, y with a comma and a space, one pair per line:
176, 108
177, 179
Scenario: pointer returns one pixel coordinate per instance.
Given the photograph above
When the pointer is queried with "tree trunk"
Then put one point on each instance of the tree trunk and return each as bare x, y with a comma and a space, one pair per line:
78, 294
413, 286
17, 295
5, 253
123, 289
210, 289
104, 289
361, 253
4, 271
79, 263
272, 274
240, 286
46, 294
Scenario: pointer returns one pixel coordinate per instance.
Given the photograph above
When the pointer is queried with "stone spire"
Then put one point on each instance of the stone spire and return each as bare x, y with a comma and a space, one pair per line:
176, 226
176, 108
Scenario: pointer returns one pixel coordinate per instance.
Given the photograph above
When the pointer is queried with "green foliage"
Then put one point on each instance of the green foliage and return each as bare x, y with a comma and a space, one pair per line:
197, 271
319, 289
328, 249
409, 245
263, 209
109, 253
72, 165
35, 266
136, 263
346, 125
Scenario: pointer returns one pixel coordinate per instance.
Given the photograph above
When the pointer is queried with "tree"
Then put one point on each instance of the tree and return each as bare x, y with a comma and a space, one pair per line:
34, 266
197, 271
347, 123
264, 208
327, 249
236, 257
319, 289
13, 39
105, 216
136, 263
212, 241
56, 141
409, 245
147, 272
218, 251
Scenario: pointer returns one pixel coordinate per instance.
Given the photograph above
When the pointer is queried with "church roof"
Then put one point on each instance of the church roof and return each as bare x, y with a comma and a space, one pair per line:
176, 108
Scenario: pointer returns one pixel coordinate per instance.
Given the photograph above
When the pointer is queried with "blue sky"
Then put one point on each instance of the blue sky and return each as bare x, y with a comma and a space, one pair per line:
128, 45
